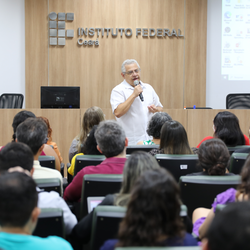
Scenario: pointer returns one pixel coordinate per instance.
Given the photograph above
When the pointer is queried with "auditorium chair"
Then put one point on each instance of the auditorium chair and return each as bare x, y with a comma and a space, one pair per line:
11, 101
237, 161
50, 222
146, 148
232, 149
178, 165
98, 185
238, 101
106, 221
200, 191
87, 160
47, 161
49, 184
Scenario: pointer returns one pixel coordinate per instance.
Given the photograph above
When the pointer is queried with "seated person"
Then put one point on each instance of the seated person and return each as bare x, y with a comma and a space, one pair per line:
112, 142
50, 142
230, 229
33, 132
136, 164
214, 158
202, 217
19, 214
174, 140
154, 128
153, 214
89, 148
19, 154
92, 116
227, 128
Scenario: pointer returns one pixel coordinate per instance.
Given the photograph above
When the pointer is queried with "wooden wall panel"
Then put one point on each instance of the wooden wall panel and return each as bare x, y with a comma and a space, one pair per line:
36, 50
195, 53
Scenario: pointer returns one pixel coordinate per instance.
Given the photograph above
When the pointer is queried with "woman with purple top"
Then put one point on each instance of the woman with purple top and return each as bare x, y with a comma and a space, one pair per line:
203, 217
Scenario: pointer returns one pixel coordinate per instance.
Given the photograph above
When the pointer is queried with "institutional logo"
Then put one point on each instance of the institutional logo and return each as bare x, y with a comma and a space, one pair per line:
57, 28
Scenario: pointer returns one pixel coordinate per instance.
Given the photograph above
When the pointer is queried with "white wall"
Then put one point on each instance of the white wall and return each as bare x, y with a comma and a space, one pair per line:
217, 88
12, 46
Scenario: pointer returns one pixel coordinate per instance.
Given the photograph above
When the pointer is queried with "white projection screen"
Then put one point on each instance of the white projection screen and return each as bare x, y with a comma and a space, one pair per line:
228, 50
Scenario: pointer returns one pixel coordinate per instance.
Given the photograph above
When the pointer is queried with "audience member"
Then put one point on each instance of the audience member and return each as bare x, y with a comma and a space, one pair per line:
202, 217
92, 116
153, 214
50, 142
154, 128
33, 132
174, 140
230, 229
112, 142
136, 164
19, 154
227, 128
19, 214
214, 158
21, 117
89, 148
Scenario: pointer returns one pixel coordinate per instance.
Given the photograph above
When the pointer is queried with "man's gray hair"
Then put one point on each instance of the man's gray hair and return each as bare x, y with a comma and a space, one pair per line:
110, 138
127, 62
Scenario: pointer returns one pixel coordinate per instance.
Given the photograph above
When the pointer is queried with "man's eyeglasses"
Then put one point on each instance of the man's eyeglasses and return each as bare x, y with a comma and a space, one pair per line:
132, 71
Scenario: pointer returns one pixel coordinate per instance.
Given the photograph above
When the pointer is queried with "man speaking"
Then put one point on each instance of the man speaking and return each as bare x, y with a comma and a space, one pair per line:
134, 102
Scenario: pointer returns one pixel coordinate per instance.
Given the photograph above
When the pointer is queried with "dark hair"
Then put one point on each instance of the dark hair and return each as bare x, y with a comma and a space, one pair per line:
89, 147
18, 197
110, 138
227, 129
230, 228
156, 122
214, 156
244, 187
16, 154
137, 163
174, 139
33, 132
153, 210
46, 120
19, 118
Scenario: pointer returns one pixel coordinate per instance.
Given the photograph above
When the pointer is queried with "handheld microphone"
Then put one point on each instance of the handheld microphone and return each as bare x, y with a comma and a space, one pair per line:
141, 96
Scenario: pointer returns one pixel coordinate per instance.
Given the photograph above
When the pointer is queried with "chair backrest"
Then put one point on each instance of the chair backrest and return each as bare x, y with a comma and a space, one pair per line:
200, 191
146, 148
87, 160
50, 222
237, 161
178, 165
49, 184
98, 185
47, 161
109, 217
232, 149
238, 101
11, 101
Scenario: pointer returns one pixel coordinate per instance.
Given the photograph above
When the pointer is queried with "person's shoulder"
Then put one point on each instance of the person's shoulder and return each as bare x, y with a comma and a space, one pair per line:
118, 87
109, 245
52, 242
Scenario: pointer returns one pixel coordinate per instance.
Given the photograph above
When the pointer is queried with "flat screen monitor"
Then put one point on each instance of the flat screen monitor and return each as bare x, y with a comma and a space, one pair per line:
60, 97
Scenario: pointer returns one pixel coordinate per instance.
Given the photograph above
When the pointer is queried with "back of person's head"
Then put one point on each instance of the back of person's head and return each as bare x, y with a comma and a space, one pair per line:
227, 128
174, 139
244, 187
16, 154
46, 120
89, 147
214, 157
33, 132
18, 197
156, 122
230, 228
19, 118
137, 163
153, 210
92, 116
110, 138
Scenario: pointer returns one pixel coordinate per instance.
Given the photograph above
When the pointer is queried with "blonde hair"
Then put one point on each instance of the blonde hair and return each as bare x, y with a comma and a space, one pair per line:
92, 116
